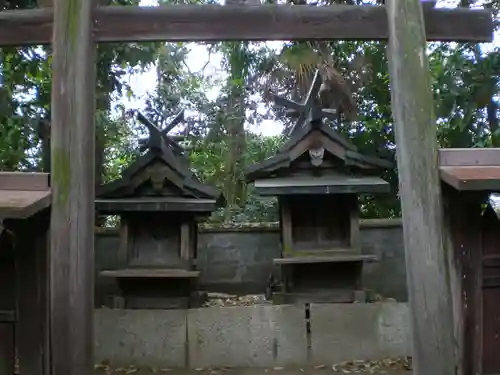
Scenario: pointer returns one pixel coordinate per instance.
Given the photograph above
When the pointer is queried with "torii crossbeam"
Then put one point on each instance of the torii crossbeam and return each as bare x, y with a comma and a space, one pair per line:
275, 22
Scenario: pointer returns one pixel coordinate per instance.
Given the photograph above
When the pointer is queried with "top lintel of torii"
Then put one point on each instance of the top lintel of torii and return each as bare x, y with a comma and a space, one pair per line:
251, 22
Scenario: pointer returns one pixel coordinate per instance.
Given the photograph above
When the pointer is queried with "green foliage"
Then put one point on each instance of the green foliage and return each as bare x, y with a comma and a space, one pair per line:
120, 147
208, 160
25, 86
465, 88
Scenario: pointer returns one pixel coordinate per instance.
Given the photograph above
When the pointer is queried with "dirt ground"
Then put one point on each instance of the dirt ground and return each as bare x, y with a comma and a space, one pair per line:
396, 369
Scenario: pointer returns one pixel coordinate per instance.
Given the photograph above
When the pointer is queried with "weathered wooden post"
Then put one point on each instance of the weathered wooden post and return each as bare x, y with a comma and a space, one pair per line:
72, 181
417, 158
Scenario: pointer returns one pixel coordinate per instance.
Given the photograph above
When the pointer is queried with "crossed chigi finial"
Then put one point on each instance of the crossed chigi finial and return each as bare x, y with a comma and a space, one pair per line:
159, 138
310, 111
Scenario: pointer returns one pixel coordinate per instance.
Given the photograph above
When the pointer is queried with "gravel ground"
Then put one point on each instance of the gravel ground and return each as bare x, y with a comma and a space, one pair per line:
223, 300
286, 371
393, 366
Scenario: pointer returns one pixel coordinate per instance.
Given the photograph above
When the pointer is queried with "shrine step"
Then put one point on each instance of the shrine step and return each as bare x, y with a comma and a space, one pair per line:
334, 296
338, 258
151, 273
195, 300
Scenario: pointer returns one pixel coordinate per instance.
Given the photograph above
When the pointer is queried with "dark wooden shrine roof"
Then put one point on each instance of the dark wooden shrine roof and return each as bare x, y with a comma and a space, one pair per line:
186, 192
474, 169
23, 194
275, 175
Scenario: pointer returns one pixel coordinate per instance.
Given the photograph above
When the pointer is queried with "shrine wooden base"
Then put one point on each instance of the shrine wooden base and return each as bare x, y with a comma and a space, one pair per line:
156, 289
320, 279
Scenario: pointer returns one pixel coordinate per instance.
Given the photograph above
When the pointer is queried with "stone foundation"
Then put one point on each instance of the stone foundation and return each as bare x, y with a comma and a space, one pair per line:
252, 336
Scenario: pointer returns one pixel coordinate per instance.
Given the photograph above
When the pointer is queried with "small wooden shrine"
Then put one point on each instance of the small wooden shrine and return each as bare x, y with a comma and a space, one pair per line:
469, 177
159, 201
24, 223
317, 176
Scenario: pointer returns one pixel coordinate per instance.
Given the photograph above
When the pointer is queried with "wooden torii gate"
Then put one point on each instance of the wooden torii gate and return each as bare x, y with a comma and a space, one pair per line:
74, 26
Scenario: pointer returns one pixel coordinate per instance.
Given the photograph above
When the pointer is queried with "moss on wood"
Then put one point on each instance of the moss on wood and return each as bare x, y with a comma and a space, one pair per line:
61, 174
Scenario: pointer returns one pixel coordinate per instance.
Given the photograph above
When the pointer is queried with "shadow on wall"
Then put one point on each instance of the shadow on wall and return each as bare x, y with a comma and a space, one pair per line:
239, 260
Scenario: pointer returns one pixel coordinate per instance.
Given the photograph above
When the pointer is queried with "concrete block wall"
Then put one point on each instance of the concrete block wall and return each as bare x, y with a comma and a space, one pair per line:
240, 259
249, 336
152, 338
359, 331
252, 336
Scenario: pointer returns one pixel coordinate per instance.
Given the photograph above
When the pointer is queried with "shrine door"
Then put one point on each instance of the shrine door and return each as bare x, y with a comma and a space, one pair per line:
7, 306
491, 294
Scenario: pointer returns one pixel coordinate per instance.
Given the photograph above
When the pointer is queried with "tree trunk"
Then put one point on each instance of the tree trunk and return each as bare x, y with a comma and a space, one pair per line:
492, 110
235, 184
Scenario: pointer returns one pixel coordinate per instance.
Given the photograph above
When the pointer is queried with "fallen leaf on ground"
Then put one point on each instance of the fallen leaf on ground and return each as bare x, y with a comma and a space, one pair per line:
373, 366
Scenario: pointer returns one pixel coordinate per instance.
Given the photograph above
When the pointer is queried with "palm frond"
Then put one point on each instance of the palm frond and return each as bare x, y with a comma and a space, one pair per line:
292, 70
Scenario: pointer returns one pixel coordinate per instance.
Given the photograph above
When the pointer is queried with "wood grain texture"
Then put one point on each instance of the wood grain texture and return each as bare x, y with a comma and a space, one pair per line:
185, 245
23, 194
355, 239
417, 157
263, 22
72, 180
7, 303
286, 227
463, 157
31, 267
488, 277
24, 181
463, 232
470, 178
124, 242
